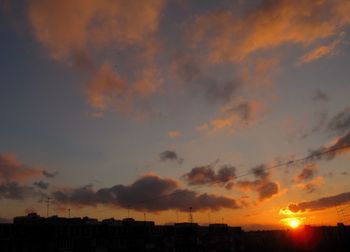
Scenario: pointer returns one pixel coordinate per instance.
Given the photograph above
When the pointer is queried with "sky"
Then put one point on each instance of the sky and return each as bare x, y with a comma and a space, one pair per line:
115, 108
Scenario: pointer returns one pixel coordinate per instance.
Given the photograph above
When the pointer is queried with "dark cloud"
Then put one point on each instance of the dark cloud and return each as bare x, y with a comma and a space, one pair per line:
244, 110
320, 96
309, 187
220, 91
49, 174
267, 190
261, 171
340, 123
206, 175
171, 156
321, 203
187, 68
148, 193
340, 146
263, 186
306, 173
15, 191
41, 184
204, 81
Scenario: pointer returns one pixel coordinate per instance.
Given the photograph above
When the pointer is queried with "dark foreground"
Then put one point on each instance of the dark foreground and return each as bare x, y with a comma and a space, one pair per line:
34, 234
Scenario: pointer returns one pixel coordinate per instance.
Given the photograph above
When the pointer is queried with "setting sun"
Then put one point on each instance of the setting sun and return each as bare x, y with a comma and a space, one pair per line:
294, 223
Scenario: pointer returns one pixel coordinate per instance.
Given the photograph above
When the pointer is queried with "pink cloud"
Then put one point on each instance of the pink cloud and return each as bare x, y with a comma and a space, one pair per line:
13, 170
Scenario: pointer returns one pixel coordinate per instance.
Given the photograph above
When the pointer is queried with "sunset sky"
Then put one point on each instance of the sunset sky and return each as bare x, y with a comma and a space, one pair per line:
162, 105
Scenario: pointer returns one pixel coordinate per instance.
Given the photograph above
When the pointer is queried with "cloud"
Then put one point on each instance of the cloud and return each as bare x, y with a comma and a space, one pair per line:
148, 193
338, 147
263, 186
206, 175
340, 123
171, 156
174, 134
306, 173
320, 96
49, 174
107, 90
236, 115
66, 27
82, 33
15, 191
12, 169
202, 80
321, 203
228, 37
319, 52
41, 184
312, 185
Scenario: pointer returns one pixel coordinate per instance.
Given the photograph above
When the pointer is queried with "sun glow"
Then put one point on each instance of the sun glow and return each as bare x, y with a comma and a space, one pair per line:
294, 223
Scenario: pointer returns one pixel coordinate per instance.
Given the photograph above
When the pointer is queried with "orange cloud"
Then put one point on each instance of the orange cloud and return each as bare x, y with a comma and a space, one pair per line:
174, 134
108, 90
66, 27
320, 52
312, 185
236, 115
13, 170
229, 37
79, 32
307, 173
105, 87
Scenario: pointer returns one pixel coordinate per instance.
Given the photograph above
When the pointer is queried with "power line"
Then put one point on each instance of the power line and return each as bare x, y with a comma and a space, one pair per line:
309, 157
288, 163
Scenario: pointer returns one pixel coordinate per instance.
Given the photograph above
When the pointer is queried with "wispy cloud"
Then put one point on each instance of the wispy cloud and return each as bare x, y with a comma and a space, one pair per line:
320, 52
340, 123
236, 115
320, 96
232, 38
49, 174
174, 134
41, 184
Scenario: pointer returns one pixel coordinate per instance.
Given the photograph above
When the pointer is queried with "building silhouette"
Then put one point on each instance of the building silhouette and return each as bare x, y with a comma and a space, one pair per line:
33, 233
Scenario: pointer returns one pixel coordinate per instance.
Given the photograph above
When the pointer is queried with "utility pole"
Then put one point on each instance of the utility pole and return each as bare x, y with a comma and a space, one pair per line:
68, 212
128, 211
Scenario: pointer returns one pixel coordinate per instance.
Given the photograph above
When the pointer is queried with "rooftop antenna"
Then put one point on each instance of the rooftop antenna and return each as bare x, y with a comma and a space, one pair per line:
209, 218
177, 216
190, 216
128, 211
69, 213
144, 217
48, 201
